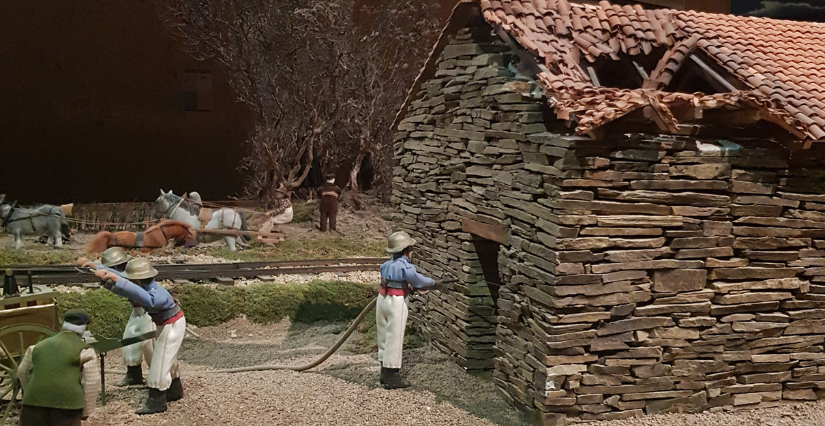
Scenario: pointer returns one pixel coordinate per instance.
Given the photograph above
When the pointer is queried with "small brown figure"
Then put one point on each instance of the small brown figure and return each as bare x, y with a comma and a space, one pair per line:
329, 194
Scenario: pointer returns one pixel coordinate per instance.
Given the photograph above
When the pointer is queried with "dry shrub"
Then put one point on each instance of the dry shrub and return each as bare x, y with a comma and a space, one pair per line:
325, 79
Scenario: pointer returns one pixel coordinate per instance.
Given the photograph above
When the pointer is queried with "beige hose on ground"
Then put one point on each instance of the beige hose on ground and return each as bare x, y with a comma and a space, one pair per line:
303, 367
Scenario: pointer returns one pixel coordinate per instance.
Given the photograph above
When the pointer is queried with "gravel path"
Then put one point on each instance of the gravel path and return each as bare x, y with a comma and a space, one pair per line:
287, 398
344, 391
806, 414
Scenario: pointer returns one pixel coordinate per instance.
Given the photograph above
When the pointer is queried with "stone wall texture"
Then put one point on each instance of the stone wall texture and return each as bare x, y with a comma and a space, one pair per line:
642, 273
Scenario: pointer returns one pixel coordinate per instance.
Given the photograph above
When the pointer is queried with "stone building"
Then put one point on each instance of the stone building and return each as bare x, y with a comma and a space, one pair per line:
632, 201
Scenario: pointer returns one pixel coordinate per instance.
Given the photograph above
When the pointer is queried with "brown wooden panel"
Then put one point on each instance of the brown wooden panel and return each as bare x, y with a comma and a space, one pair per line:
497, 233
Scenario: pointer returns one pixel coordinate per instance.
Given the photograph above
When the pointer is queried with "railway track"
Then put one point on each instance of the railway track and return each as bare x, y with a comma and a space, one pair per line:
69, 275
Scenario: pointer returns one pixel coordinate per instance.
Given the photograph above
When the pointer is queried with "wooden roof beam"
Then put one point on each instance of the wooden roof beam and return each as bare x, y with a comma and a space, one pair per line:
715, 76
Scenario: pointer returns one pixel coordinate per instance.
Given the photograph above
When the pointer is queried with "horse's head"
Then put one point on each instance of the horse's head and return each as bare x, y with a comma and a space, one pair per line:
163, 203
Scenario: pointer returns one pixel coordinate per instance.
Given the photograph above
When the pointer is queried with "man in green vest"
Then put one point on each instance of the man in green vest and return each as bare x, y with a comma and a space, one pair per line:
60, 377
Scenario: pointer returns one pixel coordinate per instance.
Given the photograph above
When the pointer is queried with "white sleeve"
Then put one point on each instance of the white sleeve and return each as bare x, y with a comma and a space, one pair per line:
90, 379
25, 367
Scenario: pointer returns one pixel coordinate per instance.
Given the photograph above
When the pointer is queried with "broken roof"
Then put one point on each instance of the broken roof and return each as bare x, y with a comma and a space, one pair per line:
775, 68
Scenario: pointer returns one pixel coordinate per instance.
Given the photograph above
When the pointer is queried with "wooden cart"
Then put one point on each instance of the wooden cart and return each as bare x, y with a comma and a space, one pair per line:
24, 320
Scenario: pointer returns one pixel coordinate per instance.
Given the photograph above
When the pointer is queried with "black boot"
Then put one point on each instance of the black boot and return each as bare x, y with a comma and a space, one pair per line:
175, 391
383, 379
393, 380
134, 376
156, 403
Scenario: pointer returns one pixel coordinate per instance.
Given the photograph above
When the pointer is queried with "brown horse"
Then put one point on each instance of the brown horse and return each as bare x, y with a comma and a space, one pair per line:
156, 236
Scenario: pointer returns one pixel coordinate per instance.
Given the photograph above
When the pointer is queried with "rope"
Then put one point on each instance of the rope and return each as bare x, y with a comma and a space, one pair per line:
96, 222
239, 209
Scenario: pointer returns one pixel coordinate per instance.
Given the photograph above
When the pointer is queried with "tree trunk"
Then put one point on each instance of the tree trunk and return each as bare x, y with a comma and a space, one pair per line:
353, 180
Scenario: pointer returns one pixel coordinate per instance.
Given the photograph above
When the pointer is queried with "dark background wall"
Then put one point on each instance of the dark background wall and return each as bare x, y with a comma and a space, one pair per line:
97, 103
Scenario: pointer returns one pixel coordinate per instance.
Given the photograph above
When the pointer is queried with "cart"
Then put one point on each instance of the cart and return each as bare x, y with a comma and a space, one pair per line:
25, 319
27, 316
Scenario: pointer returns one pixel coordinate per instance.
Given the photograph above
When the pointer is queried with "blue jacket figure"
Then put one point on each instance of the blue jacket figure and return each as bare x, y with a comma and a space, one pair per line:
114, 259
137, 284
398, 278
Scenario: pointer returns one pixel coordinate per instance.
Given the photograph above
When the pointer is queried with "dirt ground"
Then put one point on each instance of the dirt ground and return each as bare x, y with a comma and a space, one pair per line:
342, 391
345, 391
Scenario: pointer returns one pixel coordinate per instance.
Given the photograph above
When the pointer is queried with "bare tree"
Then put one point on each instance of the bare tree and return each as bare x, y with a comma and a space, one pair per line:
325, 79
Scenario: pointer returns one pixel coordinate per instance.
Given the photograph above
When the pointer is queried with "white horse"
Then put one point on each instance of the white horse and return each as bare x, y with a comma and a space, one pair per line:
175, 207
46, 219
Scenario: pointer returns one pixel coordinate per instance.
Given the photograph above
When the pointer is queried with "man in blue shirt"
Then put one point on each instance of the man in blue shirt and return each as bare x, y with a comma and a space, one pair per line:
114, 259
164, 376
398, 279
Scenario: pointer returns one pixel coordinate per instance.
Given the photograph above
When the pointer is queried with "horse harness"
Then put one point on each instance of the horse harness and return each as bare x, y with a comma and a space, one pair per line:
7, 220
8, 216
173, 208
139, 239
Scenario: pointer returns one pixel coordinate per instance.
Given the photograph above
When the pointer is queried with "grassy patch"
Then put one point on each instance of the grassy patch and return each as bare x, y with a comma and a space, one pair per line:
108, 312
204, 306
266, 303
272, 302
332, 301
302, 212
210, 306
47, 256
291, 249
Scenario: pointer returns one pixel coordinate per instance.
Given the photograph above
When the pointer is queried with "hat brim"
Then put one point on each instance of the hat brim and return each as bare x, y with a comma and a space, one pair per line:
143, 276
110, 264
400, 249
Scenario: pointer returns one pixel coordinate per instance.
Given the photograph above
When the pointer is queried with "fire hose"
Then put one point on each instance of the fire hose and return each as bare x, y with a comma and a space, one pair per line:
302, 367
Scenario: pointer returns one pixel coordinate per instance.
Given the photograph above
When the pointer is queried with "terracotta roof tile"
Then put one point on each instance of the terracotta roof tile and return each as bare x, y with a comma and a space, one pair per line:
775, 59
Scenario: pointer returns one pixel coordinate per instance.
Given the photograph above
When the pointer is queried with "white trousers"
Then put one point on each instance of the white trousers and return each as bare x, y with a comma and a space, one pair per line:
164, 366
391, 319
139, 323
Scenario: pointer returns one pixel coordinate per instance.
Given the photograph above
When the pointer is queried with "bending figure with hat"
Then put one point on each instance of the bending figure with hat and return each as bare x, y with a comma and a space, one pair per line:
137, 283
398, 279
60, 377
114, 259
328, 207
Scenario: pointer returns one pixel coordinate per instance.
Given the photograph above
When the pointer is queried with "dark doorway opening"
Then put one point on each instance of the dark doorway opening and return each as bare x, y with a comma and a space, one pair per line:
487, 251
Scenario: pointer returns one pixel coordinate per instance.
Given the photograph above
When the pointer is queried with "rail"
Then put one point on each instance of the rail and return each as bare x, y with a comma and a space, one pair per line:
69, 275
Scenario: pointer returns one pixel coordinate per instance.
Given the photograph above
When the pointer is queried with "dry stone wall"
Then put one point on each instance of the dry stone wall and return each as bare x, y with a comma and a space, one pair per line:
642, 274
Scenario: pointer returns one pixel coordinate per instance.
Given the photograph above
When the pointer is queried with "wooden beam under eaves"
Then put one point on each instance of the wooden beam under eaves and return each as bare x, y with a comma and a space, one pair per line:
641, 70
717, 78
497, 233
593, 77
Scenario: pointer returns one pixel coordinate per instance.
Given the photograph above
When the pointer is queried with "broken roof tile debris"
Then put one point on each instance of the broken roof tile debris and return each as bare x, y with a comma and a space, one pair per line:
775, 67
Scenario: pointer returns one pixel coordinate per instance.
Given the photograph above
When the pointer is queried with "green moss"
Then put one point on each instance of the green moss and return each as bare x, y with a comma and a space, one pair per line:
44, 255
272, 302
302, 212
66, 301
108, 312
333, 301
205, 306
292, 249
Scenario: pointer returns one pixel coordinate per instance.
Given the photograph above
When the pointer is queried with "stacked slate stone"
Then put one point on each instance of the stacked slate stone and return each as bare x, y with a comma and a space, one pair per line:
643, 274
444, 171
